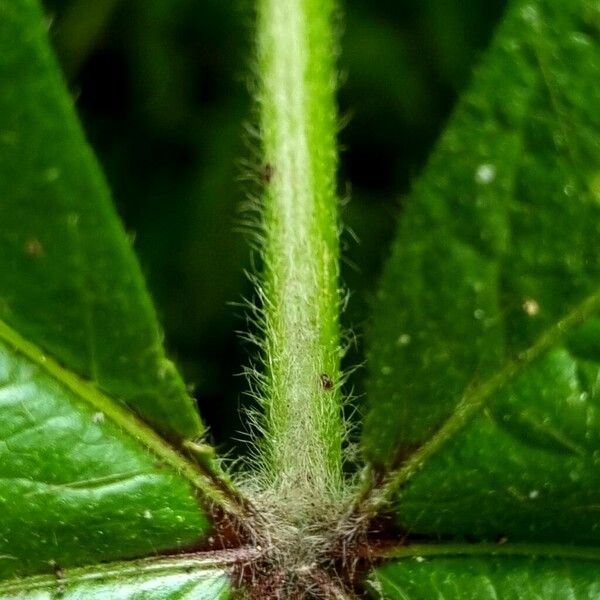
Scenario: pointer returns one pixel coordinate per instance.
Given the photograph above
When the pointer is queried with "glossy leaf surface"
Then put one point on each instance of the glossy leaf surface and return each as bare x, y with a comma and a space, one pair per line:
81, 478
486, 348
186, 578
74, 487
503, 578
69, 281
526, 468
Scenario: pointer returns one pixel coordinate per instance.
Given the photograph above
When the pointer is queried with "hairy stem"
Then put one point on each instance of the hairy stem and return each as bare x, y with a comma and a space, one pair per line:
303, 422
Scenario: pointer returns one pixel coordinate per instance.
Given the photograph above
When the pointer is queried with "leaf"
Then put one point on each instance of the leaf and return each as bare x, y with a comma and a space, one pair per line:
82, 479
69, 281
162, 579
503, 578
527, 468
484, 397
492, 294
500, 239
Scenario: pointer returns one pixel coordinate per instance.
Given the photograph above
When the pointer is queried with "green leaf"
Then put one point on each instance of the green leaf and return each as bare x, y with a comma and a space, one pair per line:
485, 353
80, 479
69, 281
503, 578
527, 468
499, 241
159, 579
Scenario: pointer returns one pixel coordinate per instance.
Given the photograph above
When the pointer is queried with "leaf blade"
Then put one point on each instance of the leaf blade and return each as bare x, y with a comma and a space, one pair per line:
521, 470
474, 275
68, 278
486, 579
161, 579
498, 252
80, 489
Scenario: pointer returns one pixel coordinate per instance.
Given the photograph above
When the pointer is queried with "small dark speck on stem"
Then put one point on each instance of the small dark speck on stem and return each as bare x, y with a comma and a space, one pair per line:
267, 172
326, 381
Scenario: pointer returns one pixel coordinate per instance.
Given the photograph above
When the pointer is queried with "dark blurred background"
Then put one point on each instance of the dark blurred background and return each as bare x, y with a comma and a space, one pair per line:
161, 87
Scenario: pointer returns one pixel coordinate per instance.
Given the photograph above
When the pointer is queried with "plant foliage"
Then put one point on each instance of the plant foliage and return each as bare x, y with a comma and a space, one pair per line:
479, 451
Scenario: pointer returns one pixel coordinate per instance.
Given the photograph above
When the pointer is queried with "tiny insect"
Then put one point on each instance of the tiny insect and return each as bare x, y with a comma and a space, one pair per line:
326, 381
267, 173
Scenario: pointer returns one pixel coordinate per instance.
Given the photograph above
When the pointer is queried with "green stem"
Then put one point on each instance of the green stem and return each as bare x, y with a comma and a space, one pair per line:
303, 427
